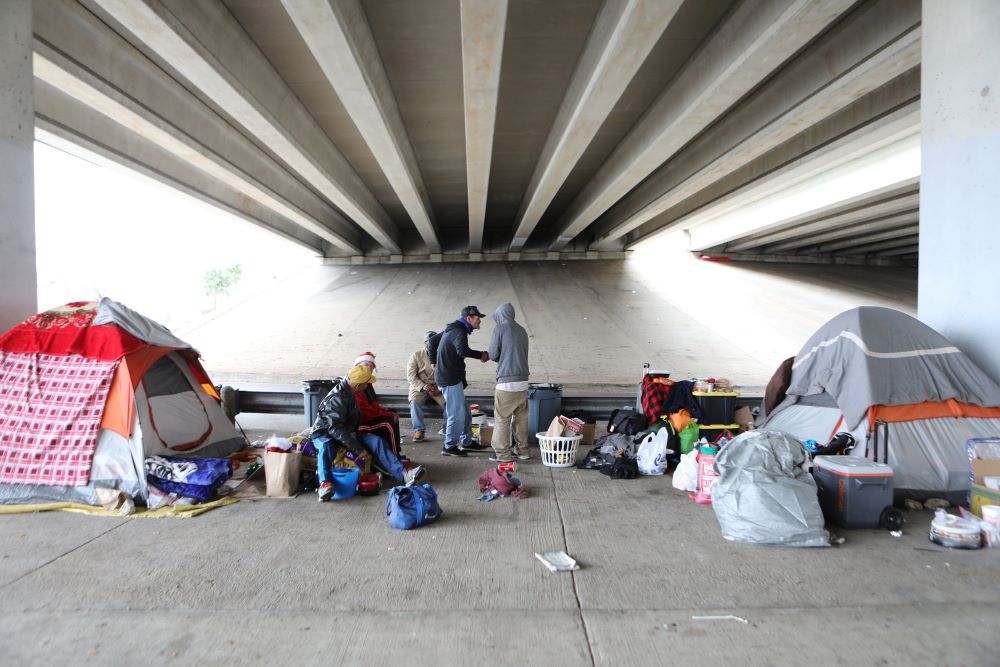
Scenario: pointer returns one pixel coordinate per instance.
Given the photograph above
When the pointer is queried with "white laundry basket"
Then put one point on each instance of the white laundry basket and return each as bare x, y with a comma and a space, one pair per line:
558, 451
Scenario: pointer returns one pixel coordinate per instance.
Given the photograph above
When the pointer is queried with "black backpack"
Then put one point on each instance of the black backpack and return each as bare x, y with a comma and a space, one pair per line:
627, 421
622, 468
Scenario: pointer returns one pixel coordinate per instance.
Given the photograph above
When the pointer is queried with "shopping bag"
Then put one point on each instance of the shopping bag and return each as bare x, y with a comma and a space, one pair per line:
412, 506
281, 472
653, 452
686, 473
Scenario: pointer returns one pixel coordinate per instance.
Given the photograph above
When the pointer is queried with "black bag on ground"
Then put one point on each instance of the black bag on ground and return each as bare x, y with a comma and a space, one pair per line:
622, 468
627, 421
594, 460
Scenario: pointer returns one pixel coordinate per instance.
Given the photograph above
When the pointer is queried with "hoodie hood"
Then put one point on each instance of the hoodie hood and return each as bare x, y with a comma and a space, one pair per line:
505, 313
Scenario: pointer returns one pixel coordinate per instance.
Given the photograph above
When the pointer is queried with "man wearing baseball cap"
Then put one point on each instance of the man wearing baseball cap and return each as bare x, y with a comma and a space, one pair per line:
450, 349
336, 426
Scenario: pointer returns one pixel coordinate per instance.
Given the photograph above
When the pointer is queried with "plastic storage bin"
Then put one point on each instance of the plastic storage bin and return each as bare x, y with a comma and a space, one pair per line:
544, 404
313, 393
558, 451
717, 407
855, 492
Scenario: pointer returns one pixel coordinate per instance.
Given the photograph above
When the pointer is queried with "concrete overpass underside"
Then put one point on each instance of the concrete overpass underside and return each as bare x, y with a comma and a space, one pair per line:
392, 131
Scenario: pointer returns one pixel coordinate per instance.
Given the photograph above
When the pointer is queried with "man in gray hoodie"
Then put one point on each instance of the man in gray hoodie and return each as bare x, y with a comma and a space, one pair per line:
509, 349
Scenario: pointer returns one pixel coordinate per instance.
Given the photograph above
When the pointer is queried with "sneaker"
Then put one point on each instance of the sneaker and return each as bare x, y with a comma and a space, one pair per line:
453, 451
440, 431
418, 436
474, 446
500, 459
325, 491
412, 475
521, 455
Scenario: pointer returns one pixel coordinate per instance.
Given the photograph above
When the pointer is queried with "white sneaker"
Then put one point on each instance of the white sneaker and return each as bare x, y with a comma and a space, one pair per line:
412, 475
523, 455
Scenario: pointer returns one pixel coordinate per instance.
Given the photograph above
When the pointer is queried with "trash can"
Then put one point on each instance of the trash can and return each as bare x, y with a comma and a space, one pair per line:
544, 403
313, 393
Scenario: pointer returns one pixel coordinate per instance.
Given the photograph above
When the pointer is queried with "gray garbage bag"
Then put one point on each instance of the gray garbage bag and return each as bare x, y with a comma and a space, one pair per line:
764, 495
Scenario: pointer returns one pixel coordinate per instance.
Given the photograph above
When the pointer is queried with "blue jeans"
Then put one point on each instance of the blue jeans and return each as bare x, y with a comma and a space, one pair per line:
379, 448
458, 417
417, 414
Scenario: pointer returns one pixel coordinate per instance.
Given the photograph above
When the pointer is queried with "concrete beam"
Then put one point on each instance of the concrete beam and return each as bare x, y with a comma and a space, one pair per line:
205, 45
18, 274
622, 37
879, 155
849, 232
755, 39
809, 259
870, 47
483, 25
338, 34
839, 215
892, 245
79, 83
874, 237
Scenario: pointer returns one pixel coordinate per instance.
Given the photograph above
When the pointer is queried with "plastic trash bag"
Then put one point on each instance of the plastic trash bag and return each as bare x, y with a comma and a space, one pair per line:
653, 452
686, 472
764, 495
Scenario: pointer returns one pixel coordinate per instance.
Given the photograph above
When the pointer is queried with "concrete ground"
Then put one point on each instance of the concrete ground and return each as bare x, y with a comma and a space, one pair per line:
296, 582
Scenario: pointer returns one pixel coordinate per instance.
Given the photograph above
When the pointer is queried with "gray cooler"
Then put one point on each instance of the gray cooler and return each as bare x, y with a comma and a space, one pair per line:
855, 492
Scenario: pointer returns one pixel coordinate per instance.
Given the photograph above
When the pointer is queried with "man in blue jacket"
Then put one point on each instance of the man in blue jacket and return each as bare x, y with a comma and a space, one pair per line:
450, 349
509, 348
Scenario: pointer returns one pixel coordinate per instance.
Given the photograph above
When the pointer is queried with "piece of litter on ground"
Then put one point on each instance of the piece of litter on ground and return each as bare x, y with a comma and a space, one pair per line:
726, 617
896, 533
557, 561
838, 540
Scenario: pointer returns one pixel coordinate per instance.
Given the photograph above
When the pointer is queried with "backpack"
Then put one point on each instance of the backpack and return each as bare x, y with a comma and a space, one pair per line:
412, 506
627, 421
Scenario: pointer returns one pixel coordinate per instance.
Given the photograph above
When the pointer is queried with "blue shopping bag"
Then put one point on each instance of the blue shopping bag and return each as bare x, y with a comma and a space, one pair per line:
412, 506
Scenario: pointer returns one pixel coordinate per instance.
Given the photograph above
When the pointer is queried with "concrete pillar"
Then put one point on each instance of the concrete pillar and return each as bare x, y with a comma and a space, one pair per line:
18, 282
959, 288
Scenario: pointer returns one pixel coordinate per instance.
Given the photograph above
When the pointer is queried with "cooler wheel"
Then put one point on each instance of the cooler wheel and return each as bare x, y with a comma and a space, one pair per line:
891, 519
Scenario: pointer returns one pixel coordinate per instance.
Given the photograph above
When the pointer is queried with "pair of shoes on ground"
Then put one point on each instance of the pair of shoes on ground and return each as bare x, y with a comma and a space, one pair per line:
514, 455
464, 450
418, 436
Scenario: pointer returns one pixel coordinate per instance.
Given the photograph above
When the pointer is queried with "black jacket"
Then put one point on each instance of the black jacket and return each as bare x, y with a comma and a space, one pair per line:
338, 416
451, 348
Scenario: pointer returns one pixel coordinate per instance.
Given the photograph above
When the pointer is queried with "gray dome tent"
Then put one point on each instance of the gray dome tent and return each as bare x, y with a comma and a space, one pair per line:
873, 366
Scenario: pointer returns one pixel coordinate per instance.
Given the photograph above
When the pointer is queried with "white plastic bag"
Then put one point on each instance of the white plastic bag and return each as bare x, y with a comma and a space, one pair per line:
652, 455
686, 472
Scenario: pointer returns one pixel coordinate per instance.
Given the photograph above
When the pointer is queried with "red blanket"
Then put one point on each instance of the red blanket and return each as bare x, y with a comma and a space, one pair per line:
50, 416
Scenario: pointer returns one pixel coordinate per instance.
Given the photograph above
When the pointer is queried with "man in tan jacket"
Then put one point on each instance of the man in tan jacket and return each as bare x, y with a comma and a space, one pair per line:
420, 373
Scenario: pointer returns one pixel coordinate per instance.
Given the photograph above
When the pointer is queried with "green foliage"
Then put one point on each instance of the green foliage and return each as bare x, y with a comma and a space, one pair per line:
220, 281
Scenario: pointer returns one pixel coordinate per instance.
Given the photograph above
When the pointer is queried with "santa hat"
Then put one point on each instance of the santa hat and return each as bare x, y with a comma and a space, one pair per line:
365, 358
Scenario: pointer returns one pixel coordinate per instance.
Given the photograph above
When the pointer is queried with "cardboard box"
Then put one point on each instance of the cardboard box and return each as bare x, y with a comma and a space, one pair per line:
979, 495
984, 468
589, 434
486, 435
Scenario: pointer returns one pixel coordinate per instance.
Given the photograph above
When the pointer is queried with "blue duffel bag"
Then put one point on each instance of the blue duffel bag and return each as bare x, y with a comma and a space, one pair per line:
412, 506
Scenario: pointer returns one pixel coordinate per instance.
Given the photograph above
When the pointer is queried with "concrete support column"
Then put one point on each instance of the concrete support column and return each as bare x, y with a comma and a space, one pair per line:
959, 289
18, 282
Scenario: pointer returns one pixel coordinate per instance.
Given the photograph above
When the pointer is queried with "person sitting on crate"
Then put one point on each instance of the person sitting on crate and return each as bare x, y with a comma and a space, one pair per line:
375, 417
420, 374
336, 425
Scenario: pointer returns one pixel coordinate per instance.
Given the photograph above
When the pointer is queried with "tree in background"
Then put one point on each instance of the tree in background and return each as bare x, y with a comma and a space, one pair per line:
220, 281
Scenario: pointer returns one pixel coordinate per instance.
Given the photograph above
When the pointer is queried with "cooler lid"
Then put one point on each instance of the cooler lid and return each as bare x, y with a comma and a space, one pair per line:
852, 466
